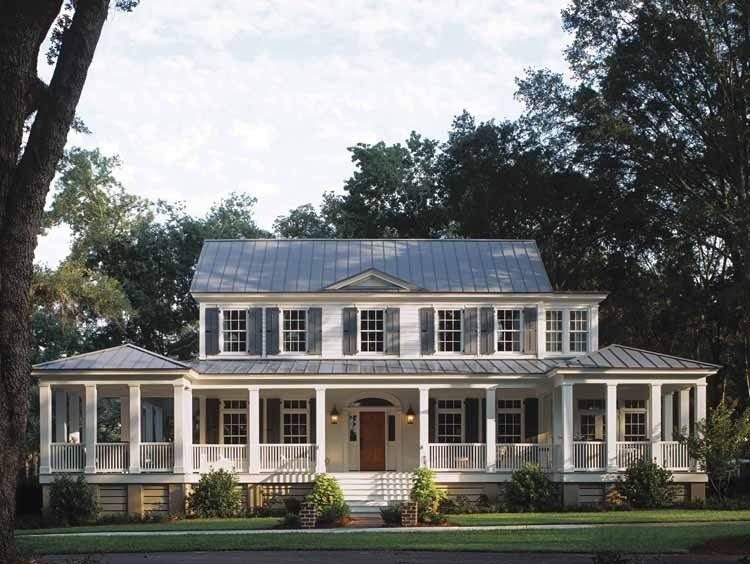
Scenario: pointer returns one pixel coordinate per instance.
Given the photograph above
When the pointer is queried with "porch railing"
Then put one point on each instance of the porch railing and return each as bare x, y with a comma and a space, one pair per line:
675, 456
112, 457
66, 457
589, 455
157, 457
457, 456
512, 456
629, 452
220, 457
287, 458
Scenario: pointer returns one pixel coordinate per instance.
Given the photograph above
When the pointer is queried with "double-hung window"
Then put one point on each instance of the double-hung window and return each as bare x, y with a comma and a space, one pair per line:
234, 330
372, 330
294, 330
234, 422
509, 330
634, 415
294, 421
509, 415
554, 330
449, 335
579, 330
449, 421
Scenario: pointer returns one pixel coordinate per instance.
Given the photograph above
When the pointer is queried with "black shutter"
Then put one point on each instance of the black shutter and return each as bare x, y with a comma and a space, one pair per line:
427, 330
273, 407
350, 330
531, 419
212, 421
261, 418
272, 330
471, 408
392, 330
431, 414
470, 330
212, 330
255, 331
487, 330
313, 422
483, 422
529, 330
314, 330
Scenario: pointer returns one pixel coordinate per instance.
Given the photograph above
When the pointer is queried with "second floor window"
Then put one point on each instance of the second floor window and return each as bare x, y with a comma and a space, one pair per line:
554, 330
235, 330
294, 330
449, 330
449, 415
579, 330
371, 330
509, 330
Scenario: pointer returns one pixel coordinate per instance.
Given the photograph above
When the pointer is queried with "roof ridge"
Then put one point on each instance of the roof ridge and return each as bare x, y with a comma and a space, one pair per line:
292, 239
659, 353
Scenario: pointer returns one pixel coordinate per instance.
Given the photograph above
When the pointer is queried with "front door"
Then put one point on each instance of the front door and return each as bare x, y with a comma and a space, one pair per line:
372, 440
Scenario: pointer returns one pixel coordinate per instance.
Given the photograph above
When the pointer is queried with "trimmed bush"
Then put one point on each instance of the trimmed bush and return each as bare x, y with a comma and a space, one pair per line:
292, 505
391, 514
646, 485
530, 490
216, 494
427, 495
328, 498
71, 502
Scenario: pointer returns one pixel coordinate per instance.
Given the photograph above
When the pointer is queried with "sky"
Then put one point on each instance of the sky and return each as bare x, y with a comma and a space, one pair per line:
201, 98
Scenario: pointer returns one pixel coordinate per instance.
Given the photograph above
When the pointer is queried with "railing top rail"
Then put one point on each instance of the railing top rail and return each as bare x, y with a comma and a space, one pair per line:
262, 445
162, 443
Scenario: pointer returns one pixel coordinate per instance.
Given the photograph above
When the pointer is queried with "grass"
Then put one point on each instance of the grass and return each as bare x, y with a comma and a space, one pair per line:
630, 539
178, 525
644, 516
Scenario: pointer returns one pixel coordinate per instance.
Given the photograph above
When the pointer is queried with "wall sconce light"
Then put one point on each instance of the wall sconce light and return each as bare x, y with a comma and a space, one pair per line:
411, 417
334, 416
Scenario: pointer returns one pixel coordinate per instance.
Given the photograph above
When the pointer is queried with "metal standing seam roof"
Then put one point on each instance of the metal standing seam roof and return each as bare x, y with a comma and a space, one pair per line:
311, 265
122, 357
620, 356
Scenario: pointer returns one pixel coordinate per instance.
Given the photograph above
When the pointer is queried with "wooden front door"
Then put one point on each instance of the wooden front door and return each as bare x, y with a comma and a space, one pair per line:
372, 440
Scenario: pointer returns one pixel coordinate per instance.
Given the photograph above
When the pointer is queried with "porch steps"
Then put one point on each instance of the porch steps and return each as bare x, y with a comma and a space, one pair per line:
366, 492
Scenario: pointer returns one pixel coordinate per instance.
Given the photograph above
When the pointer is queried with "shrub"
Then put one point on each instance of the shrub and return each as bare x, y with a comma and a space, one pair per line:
216, 494
292, 505
328, 498
530, 490
427, 495
646, 485
391, 514
291, 521
71, 501
462, 505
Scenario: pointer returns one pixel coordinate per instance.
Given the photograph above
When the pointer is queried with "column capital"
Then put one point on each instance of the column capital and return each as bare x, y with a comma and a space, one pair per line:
132, 385
424, 388
90, 385
321, 388
253, 389
701, 384
611, 384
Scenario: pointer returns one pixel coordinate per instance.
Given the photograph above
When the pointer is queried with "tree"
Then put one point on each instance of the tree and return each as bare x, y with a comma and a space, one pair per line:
27, 167
303, 222
718, 444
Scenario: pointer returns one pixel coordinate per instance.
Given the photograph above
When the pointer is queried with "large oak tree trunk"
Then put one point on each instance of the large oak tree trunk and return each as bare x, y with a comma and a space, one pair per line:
25, 176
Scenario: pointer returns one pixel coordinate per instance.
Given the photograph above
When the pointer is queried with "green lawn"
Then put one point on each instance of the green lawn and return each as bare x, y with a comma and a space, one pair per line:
179, 525
650, 516
646, 539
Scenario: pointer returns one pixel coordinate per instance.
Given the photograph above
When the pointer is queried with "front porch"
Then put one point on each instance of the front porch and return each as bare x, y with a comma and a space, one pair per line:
176, 428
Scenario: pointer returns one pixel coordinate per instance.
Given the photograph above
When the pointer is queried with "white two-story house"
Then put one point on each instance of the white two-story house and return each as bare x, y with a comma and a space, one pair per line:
366, 359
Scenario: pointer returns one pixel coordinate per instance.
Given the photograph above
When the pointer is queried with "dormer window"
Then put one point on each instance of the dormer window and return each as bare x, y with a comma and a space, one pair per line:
509, 330
372, 330
294, 330
567, 330
554, 331
579, 330
449, 330
234, 330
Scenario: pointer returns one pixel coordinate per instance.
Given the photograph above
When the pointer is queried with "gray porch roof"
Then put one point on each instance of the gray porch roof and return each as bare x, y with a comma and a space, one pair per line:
122, 357
311, 265
620, 356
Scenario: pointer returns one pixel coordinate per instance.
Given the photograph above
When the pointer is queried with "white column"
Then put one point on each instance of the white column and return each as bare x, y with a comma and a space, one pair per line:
685, 411
567, 427
253, 429
611, 437
320, 429
90, 431
700, 402
45, 428
183, 428
668, 416
61, 417
424, 426
134, 428
655, 421
490, 434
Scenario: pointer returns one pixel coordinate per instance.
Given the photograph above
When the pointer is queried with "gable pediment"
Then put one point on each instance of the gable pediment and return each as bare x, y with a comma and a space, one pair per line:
372, 279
